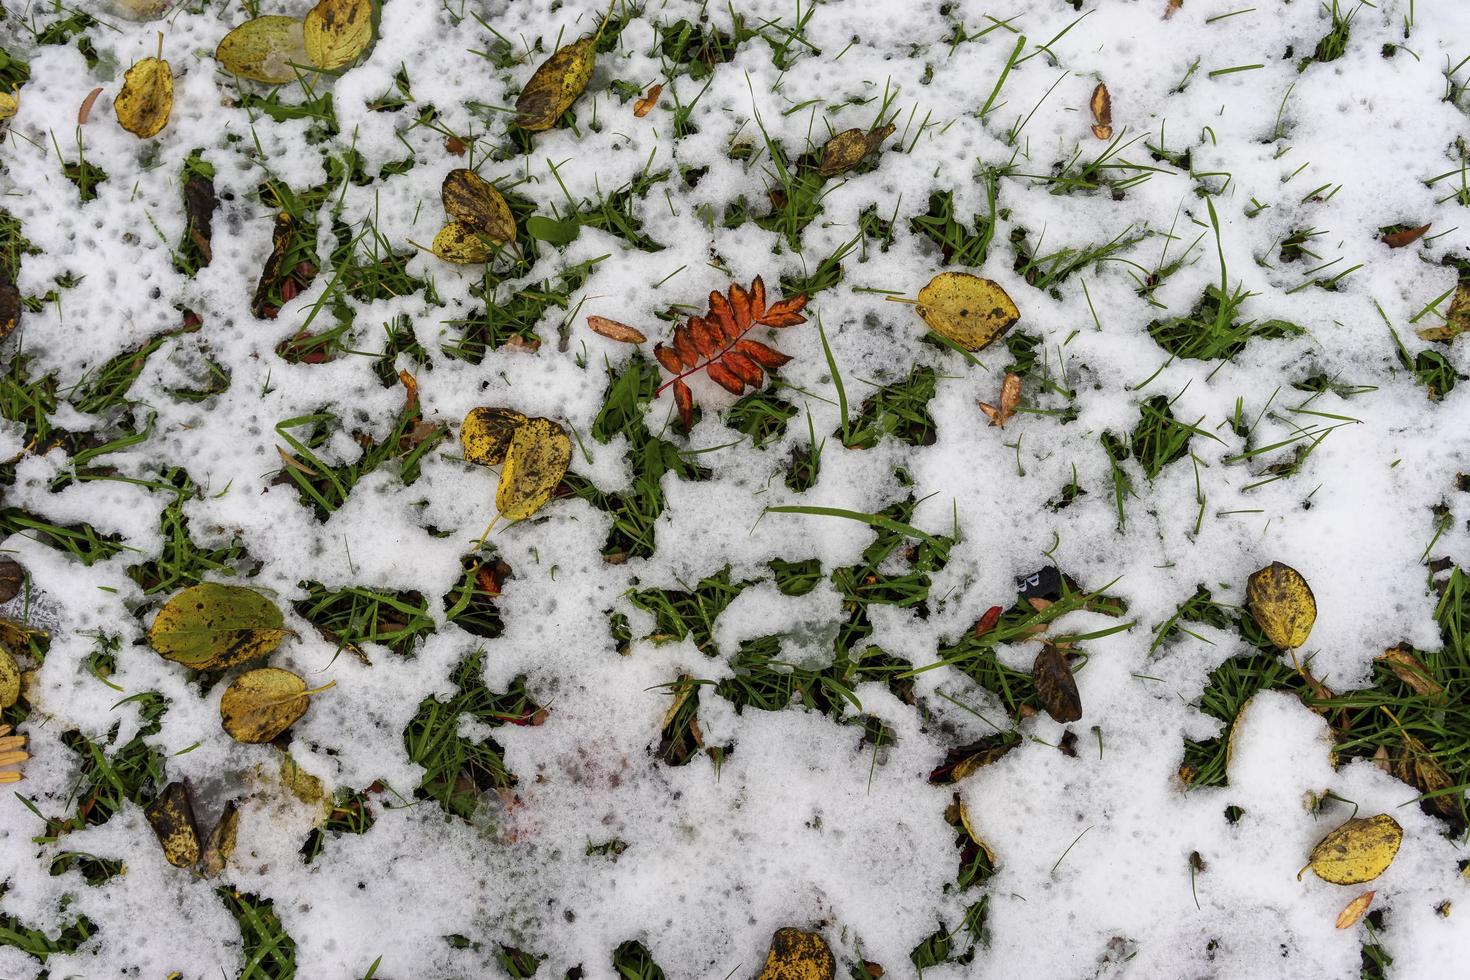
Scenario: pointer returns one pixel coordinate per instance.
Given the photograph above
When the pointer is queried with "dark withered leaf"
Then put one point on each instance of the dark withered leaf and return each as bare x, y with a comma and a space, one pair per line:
200, 204
280, 242
9, 307
12, 579
172, 818
848, 149
1056, 688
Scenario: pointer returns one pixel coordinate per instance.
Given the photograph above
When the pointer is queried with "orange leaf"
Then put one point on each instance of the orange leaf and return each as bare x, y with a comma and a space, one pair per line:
613, 330
706, 336
684, 347
645, 105
667, 357
766, 357
725, 378
723, 318
743, 368
411, 389
1354, 910
1398, 239
785, 313
740, 306
684, 398
757, 299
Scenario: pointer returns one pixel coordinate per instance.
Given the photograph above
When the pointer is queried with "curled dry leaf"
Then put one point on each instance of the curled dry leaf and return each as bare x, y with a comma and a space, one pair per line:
84, 112
1282, 604
209, 626
535, 462
475, 203
9, 679
12, 578
458, 243
613, 330
261, 704
270, 274
172, 818
1354, 910
1411, 670
1101, 105
848, 148
1358, 851
1056, 688
966, 309
798, 955
486, 432
556, 85
146, 99
645, 105
268, 49
1010, 397
1456, 322
1402, 237
221, 842
336, 32
1420, 769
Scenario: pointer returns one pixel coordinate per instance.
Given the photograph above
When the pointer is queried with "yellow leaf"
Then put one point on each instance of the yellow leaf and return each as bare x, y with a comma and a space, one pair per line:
1456, 322
9, 679
221, 843
535, 462
556, 85
966, 309
338, 31
265, 49
1358, 851
473, 201
486, 432
848, 148
172, 818
261, 704
146, 99
211, 625
9, 104
797, 955
457, 243
1282, 604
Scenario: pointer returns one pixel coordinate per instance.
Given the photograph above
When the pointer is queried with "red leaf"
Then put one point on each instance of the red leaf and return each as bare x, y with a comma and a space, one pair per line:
785, 313
1408, 236
766, 357
757, 299
684, 348
743, 368
684, 398
740, 307
723, 318
725, 378
987, 622
706, 337
667, 357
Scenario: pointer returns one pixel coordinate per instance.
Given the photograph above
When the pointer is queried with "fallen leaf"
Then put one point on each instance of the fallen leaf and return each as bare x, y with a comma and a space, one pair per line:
200, 204
454, 146
336, 32
1411, 670
1456, 322
1282, 604
1398, 239
84, 112
410, 390
966, 309
797, 955
535, 462
1354, 910
12, 579
555, 85
474, 202
146, 99
458, 243
613, 330
10, 744
9, 679
210, 626
848, 148
1173, 6
1358, 851
9, 306
974, 837
486, 433
271, 273
1056, 688
171, 816
987, 622
261, 704
1420, 769
221, 842
268, 49
9, 103
1101, 105
1010, 397
645, 105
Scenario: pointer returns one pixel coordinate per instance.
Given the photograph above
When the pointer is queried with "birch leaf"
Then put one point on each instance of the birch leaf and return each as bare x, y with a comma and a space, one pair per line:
172, 818
212, 626
556, 85
146, 99
966, 309
458, 243
1282, 604
535, 462
261, 704
1358, 851
338, 31
473, 201
267, 49
486, 432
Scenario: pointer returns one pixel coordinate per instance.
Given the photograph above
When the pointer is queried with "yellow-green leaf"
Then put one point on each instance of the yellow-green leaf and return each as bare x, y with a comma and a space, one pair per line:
221, 843
9, 104
458, 243
1358, 851
556, 85
172, 818
146, 99
848, 148
9, 679
797, 955
261, 704
265, 49
486, 433
338, 31
966, 309
535, 462
1282, 604
474, 201
212, 626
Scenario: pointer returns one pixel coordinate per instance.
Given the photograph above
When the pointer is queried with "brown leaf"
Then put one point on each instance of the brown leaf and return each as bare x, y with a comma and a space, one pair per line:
1398, 239
9, 306
1354, 910
613, 330
848, 149
1010, 397
454, 146
1056, 688
12, 578
86, 109
1102, 132
645, 105
1101, 105
171, 816
475, 203
1411, 670
280, 242
410, 389
200, 204
555, 85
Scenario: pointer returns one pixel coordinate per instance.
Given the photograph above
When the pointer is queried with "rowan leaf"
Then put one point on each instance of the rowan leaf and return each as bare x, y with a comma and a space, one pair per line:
9, 679
210, 626
1358, 851
261, 704
797, 955
555, 85
613, 330
458, 243
171, 816
146, 99
1056, 688
1282, 604
337, 32
1354, 910
966, 309
848, 148
486, 433
270, 49
221, 842
474, 202
535, 462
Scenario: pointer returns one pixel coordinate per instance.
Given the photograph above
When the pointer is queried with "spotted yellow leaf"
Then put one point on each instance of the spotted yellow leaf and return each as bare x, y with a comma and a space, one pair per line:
797, 955
338, 31
535, 462
268, 49
146, 99
1358, 851
458, 243
473, 201
9, 104
966, 309
848, 148
486, 432
556, 85
261, 704
212, 625
172, 818
9, 679
1282, 604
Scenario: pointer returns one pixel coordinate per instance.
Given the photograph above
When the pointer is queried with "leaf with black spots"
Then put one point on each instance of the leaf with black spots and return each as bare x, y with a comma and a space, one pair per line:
211, 626
172, 818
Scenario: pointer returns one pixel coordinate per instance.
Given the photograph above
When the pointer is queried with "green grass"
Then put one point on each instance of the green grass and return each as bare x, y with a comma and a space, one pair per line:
351, 616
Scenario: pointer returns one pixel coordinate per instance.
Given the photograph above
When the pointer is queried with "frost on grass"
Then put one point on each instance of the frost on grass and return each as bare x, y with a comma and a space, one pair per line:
678, 708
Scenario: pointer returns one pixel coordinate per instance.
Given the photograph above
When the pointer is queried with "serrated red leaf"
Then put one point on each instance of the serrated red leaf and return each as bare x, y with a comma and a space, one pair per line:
725, 378
706, 337
684, 348
684, 399
785, 313
766, 357
667, 357
757, 299
722, 318
743, 368
740, 307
